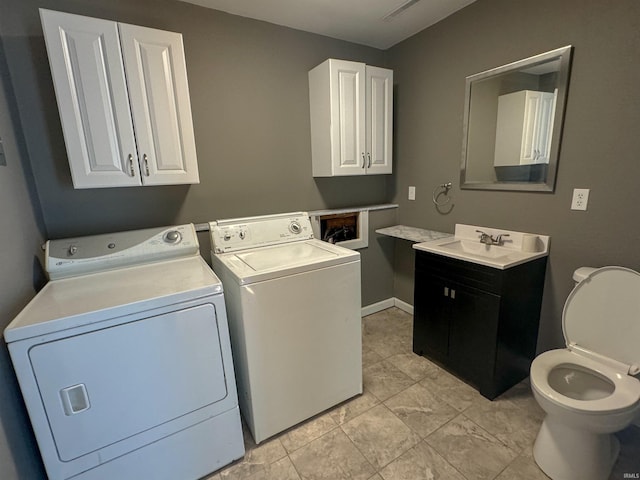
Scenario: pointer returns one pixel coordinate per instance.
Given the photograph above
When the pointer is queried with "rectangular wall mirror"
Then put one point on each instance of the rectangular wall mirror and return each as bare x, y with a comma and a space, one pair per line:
513, 124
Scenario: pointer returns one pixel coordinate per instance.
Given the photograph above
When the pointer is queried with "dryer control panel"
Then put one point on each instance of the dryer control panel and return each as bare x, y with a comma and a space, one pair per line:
251, 232
81, 255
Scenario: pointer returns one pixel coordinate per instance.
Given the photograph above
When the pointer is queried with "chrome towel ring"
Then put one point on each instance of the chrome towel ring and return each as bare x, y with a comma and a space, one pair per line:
442, 189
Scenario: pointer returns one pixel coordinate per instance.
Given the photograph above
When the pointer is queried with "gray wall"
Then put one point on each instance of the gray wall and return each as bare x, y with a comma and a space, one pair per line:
378, 259
599, 147
22, 233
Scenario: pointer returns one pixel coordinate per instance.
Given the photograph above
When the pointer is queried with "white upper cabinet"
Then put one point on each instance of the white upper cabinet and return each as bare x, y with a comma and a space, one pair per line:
379, 119
351, 107
124, 102
523, 129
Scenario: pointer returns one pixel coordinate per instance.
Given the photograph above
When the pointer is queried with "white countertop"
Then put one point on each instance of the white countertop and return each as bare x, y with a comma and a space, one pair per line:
517, 248
412, 234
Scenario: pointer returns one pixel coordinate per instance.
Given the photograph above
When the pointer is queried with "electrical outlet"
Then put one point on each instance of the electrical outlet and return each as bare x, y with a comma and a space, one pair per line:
580, 199
412, 193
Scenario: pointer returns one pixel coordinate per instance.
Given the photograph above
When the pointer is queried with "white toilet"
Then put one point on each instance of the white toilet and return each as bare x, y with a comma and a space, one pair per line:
588, 390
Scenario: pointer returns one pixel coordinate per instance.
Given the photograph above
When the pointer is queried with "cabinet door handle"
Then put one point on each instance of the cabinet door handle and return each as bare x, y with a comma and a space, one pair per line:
369, 157
146, 164
453, 294
131, 171
446, 291
363, 161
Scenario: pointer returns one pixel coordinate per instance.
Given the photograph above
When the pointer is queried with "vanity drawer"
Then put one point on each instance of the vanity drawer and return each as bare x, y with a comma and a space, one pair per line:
469, 274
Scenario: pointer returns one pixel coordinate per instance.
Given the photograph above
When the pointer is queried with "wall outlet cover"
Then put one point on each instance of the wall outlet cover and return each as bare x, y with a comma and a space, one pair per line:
580, 199
412, 193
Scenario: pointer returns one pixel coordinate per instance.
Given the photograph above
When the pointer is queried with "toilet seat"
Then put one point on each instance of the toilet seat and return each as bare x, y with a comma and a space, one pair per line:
625, 396
602, 316
601, 326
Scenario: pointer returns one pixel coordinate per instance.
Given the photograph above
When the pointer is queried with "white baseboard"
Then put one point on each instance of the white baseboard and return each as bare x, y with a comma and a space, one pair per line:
404, 306
384, 304
377, 307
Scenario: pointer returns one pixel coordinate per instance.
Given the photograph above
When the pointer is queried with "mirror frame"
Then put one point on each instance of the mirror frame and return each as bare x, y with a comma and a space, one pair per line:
564, 55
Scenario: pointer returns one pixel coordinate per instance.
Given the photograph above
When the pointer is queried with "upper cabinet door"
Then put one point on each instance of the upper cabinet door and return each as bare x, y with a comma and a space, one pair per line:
159, 95
379, 120
545, 129
530, 128
348, 117
89, 80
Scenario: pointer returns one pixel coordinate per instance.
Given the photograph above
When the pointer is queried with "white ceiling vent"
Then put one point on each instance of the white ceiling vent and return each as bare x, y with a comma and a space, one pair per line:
394, 13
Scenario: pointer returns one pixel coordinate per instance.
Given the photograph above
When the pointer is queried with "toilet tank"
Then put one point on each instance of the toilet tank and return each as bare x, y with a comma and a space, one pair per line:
583, 272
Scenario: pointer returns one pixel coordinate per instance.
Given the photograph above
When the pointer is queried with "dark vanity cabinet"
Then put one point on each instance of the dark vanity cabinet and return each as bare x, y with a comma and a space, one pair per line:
478, 322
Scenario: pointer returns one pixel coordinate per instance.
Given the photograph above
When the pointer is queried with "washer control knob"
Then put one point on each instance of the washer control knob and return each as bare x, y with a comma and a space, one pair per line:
242, 234
73, 249
172, 236
295, 227
226, 237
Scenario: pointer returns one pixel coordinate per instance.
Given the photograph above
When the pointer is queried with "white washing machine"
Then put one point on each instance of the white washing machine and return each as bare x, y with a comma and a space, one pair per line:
124, 360
294, 316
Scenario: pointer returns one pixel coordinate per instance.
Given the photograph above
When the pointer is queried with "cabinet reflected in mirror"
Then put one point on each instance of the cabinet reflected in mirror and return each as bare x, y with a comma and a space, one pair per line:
513, 124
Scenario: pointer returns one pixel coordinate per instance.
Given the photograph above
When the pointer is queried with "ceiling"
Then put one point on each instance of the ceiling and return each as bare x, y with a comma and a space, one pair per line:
376, 23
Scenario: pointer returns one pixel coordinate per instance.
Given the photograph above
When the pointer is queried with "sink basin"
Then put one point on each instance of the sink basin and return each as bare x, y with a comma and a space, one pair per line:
518, 247
476, 248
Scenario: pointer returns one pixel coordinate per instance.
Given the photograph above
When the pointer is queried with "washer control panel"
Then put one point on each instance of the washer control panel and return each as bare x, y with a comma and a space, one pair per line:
81, 255
251, 232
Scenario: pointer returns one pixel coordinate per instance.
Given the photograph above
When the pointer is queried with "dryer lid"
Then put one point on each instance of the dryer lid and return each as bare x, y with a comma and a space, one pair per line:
602, 315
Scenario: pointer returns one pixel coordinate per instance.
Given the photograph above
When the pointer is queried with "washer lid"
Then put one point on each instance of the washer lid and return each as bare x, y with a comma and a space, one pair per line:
274, 261
602, 314
284, 256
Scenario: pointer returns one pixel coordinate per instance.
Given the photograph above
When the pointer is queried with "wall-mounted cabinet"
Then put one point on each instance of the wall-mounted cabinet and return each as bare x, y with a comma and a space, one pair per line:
351, 107
524, 127
124, 103
479, 322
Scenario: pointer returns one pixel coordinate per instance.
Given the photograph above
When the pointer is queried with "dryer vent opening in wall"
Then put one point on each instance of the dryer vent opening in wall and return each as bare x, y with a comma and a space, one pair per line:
347, 229
339, 227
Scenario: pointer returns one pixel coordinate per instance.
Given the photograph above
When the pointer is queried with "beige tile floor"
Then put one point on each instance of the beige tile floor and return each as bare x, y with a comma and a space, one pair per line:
414, 421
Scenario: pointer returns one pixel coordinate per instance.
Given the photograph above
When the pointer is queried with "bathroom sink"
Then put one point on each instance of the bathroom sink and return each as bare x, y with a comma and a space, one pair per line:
514, 248
476, 248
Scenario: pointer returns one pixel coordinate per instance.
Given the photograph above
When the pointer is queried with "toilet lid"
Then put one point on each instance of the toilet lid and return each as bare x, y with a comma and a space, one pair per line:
602, 314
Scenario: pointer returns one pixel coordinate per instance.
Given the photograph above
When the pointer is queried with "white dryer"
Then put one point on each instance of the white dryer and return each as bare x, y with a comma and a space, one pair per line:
124, 360
294, 316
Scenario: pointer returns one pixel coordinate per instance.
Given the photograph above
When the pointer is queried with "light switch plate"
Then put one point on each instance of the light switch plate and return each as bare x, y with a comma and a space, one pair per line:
412, 193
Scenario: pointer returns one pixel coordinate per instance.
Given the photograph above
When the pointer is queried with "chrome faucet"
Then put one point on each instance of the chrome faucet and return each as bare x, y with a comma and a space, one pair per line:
490, 239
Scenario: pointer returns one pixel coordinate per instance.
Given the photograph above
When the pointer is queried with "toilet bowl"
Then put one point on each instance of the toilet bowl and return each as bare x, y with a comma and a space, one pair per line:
588, 390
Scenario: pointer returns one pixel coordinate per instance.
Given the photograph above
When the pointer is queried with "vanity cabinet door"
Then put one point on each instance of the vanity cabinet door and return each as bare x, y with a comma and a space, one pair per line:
473, 334
431, 316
